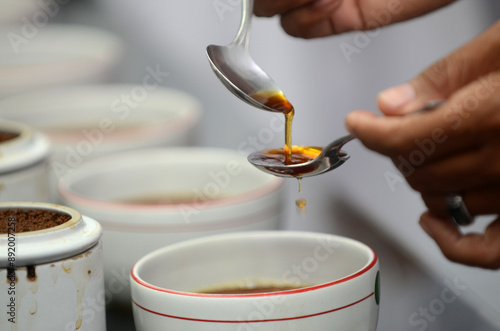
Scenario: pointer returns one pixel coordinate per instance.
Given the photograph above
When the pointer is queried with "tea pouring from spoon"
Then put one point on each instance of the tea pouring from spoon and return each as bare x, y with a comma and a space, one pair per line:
236, 69
312, 164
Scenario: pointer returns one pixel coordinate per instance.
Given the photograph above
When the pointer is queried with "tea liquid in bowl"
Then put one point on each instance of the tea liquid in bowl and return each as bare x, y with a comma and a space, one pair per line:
252, 286
6, 136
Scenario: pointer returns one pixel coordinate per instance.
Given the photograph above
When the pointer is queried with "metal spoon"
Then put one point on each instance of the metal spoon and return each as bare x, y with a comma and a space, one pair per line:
331, 157
237, 70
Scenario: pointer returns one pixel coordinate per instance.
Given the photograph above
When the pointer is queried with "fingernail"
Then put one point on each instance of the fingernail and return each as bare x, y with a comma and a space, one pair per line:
426, 228
397, 96
322, 3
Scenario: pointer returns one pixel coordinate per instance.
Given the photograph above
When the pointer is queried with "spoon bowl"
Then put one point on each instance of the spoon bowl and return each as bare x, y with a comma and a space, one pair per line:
331, 157
236, 69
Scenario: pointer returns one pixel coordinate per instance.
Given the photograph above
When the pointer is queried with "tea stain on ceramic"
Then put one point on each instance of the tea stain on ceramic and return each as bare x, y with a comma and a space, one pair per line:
25, 297
34, 288
67, 266
81, 277
33, 309
31, 273
54, 274
11, 276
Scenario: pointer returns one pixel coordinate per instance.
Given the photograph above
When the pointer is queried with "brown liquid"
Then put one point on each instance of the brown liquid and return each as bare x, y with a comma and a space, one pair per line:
299, 155
249, 287
301, 203
163, 198
5, 136
278, 102
288, 154
259, 289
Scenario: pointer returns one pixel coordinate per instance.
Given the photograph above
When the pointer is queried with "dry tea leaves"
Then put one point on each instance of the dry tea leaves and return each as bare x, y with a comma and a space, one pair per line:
30, 220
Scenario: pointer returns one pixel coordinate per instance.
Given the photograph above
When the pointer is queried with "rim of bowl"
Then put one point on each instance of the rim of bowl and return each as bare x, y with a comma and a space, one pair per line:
134, 273
180, 119
28, 148
274, 184
94, 52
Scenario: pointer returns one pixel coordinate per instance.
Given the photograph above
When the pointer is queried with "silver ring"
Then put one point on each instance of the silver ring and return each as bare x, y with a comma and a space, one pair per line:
458, 211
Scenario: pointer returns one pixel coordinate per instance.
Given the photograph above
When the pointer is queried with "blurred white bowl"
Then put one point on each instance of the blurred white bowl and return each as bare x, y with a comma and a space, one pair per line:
11, 11
55, 55
198, 192
84, 122
23, 164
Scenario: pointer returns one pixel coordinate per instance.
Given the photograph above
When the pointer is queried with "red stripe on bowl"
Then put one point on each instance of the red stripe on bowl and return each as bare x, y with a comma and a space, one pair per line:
255, 321
254, 194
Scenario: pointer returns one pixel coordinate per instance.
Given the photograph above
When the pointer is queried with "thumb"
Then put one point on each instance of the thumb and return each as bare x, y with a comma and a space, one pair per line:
443, 78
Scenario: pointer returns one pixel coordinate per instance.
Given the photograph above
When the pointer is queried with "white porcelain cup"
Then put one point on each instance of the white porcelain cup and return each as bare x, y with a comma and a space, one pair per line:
23, 164
35, 55
198, 192
85, 122
339, 277
52, 279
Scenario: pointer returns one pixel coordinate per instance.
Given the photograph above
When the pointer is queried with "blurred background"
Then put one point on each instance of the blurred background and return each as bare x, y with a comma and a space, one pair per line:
365, 199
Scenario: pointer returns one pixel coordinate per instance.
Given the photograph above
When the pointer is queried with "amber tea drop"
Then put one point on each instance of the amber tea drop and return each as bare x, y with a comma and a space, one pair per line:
301, 203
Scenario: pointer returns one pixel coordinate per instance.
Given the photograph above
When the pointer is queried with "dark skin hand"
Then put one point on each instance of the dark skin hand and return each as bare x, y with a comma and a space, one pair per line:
460, 139
320, 18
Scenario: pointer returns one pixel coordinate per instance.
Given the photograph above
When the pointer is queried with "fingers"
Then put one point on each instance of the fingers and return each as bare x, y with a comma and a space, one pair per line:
480, 201
416, 139
268, 8
463, 171
312, 20
446, 76
318, 18
470, 118
481, 250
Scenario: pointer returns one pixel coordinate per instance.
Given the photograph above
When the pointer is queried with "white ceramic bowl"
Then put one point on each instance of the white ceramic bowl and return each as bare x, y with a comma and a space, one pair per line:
340, 276
220, 191
33, 57
85, 122
11, 11
23, 164
58, 281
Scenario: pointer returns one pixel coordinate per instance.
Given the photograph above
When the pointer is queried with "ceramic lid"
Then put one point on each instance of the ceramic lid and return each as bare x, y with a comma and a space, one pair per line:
60, 242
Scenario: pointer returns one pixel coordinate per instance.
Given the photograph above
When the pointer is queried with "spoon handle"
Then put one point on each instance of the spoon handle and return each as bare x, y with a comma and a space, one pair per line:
243, 35
336, 145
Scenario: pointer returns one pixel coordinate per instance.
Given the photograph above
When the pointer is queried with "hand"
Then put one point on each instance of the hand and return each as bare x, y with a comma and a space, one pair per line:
452, 149
319, 18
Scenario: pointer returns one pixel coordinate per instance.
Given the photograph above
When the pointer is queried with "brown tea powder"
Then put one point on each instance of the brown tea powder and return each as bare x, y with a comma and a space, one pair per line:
4, 136
19, 220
